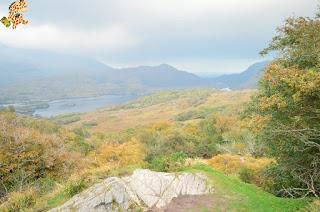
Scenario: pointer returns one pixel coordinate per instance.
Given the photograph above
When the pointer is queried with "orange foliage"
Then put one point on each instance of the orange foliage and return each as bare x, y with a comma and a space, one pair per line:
232, 164
27, 153
225, 123
163, 125
121, 155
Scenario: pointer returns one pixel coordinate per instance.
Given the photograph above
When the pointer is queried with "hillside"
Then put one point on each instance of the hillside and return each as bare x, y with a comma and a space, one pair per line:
157, 132
164, 106
41, 75
247, 79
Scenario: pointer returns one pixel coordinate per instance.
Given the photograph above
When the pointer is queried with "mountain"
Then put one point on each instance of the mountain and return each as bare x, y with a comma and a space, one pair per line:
247, 79
162, 76
40, 75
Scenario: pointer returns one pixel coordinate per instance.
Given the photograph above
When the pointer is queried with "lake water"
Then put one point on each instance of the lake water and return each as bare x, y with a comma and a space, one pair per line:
81, 105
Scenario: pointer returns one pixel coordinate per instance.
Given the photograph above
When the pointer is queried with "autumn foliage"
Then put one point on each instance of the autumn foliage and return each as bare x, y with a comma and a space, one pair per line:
27, 154
236, 164
285, 113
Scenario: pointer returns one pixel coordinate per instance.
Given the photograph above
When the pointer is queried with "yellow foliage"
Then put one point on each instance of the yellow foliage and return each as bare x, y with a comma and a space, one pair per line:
193, 130
120, 155
232, 164
161, 125
225, 123
27, 153
256, 123
274, 101
18, 201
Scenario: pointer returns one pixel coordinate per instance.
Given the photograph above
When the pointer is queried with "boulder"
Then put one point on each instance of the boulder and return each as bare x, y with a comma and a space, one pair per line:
142, 190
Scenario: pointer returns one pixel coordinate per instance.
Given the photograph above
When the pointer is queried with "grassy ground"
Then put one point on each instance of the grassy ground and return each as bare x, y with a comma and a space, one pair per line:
234, 195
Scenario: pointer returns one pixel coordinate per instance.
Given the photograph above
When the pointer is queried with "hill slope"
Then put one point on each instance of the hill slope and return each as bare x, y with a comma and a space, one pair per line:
41, 75
247, 79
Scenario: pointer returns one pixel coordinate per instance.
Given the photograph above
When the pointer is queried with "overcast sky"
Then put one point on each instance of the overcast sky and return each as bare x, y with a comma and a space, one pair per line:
216, 36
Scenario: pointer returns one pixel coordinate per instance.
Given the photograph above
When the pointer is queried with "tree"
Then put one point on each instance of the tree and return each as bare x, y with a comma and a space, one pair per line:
286, 110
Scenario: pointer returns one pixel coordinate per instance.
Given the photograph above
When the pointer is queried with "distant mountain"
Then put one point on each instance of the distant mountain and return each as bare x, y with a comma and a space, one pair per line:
33, 75
40, 75
247, 79
162, 76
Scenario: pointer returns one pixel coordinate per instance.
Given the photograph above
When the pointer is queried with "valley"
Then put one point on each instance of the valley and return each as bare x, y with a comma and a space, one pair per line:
29, 76
84, 127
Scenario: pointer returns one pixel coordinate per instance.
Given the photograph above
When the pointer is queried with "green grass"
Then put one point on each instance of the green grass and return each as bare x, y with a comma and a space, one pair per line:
246, 197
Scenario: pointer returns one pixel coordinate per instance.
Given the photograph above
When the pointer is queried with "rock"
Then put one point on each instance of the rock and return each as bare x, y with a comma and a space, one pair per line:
111, 195
144, 189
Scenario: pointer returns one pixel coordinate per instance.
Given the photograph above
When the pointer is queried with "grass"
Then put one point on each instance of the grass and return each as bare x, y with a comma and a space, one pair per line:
246, 197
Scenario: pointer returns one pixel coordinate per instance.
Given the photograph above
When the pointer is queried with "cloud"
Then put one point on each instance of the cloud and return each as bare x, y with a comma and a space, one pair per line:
114, 38
140, 31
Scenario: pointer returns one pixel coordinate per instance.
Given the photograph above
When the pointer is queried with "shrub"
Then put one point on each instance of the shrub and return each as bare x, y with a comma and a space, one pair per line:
248, 168
82, 133
74, 187
120, 155
82, 146
170, 163
189, 115
279, 180
199, 141
246, 175
28, 154
18, 201
67, 119
89, 124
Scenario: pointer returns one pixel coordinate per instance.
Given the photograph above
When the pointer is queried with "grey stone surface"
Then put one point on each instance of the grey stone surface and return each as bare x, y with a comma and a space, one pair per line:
142, 190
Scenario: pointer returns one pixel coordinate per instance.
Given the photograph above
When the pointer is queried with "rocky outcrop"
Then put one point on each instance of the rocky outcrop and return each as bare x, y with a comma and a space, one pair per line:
142, 190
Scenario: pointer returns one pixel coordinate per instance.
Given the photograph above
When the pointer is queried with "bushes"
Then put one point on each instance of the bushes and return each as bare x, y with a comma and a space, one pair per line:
19, 201
67, 119
120, 155
89, 124
280, 180
197, 141
170, 163
185, 116
27, 154
246, 175
74, 187
247, 168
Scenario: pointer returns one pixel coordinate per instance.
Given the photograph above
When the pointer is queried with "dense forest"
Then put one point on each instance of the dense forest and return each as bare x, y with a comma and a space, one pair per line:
264, 143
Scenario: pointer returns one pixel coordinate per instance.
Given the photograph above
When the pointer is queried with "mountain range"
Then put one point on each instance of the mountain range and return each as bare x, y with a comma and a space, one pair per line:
40, 75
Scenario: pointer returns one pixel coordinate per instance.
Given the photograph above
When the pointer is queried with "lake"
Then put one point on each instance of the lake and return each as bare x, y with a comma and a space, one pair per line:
81, 105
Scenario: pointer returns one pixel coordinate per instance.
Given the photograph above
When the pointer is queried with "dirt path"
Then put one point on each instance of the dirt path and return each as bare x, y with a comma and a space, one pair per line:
194, 203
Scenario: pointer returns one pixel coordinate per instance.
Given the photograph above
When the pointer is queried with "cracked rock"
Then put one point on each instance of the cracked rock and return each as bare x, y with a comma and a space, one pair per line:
142, 190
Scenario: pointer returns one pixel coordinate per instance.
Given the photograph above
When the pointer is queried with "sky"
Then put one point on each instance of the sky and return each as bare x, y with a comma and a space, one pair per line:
199, 36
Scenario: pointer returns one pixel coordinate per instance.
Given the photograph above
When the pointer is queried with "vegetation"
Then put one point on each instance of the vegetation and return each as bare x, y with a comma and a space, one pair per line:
66, 119
28, 154
233, 195
271, 142
93, 153
285, 111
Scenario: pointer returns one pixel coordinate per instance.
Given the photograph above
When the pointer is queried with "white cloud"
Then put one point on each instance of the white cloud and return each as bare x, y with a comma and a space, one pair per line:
112, 39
